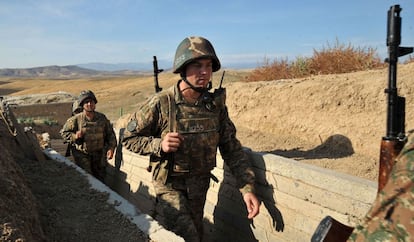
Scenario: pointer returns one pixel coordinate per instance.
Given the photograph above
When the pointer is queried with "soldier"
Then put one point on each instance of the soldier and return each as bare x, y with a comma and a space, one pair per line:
391, 216
92, 135
181, 129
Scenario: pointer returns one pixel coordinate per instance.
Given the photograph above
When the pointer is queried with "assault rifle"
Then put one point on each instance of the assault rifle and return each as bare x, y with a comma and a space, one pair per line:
157, 89
156, 72
395, 138
330, 229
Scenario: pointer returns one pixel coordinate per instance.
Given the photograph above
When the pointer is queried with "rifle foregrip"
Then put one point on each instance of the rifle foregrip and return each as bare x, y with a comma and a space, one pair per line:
390, 148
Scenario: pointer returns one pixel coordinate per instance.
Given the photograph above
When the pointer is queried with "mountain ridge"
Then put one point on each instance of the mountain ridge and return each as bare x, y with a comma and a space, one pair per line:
63, 72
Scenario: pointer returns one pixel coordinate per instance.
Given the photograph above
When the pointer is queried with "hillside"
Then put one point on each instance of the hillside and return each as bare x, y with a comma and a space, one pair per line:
333, 121
62, 72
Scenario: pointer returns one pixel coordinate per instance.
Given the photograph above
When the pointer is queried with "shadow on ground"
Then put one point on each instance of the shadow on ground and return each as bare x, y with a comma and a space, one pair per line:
336, 146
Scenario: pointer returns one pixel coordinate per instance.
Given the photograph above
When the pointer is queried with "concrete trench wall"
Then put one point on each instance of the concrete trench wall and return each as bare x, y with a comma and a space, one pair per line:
295, 197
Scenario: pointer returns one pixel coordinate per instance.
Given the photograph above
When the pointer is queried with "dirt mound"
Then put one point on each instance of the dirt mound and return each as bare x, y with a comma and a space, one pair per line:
320, 119
19, 217
42, 200
57, 97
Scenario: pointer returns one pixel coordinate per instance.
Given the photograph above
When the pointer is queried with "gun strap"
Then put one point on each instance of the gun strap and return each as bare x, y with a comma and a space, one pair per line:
172, 113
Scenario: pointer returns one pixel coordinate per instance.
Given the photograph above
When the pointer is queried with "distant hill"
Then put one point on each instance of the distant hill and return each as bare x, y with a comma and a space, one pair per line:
162, 64
143, 66
62, 72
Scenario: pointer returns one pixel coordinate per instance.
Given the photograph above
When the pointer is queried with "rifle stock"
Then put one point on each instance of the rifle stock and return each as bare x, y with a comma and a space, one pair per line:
388, 152
330, 229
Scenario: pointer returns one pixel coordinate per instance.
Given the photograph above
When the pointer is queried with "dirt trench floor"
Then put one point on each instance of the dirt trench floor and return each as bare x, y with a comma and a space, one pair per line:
49, 201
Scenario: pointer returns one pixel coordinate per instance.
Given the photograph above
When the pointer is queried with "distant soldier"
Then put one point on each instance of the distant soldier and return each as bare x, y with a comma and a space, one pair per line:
92, 135
181, 129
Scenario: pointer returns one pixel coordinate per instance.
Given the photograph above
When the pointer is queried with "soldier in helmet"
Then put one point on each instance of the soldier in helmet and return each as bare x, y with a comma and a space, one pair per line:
180, 128
92, 135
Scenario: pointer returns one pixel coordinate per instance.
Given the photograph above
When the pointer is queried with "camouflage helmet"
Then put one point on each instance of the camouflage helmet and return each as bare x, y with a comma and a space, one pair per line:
192, 48
76, 108
85, 95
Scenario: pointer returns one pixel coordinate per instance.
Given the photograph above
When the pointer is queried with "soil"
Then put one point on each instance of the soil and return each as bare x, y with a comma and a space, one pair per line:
332, 121
43, 200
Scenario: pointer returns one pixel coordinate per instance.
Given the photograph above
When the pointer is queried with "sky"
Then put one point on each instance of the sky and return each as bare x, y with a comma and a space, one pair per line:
37, 33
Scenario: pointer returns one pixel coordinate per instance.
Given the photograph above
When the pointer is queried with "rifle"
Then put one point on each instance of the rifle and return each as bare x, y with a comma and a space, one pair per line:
67, 153
157, 89
156, 72
395, 138
330, 229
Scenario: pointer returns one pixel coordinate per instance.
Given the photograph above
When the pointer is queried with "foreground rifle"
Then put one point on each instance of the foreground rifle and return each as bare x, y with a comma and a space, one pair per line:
330, 229
395, 138
156, 72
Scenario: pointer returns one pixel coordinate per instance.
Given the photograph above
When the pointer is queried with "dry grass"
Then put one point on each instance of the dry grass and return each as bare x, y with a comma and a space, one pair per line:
116, 95
410, 59
336, 59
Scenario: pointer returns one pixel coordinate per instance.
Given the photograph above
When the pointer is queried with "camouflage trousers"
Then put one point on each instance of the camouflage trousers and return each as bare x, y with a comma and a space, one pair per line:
180, 205
93, 163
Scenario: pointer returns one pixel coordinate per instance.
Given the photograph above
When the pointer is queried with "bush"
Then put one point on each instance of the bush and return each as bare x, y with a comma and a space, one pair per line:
330, 60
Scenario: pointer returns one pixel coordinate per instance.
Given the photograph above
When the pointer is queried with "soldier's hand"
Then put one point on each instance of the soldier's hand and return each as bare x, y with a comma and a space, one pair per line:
252, 204
171, 142
109, 154
79, 134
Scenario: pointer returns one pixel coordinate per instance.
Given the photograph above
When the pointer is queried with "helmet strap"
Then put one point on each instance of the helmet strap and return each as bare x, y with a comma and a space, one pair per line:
197, 89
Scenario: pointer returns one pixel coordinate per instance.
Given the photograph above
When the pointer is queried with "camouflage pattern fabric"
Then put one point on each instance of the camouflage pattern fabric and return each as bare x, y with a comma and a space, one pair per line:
94, 163
391, 218
90, 151
205, 131
192, 48
180, 205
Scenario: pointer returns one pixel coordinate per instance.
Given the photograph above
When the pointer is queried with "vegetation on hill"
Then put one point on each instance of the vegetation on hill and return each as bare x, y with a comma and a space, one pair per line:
336, 59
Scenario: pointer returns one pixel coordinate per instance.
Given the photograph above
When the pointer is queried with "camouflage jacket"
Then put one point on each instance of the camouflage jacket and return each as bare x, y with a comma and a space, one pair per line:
98, 133
197, 154
391, 216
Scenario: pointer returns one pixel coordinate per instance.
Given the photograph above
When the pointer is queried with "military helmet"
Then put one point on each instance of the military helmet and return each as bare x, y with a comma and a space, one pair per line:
85, 95
192, 48
76, 108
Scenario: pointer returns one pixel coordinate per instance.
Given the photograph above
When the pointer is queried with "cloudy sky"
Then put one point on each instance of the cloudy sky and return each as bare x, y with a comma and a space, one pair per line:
56, 32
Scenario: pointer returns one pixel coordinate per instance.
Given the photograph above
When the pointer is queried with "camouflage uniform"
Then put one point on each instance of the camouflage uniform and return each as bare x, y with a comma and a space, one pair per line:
181, 180
90, 151
391, 218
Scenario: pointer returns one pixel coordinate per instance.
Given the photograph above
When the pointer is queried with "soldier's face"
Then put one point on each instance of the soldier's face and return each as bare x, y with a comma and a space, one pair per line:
199, 72
89, 105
